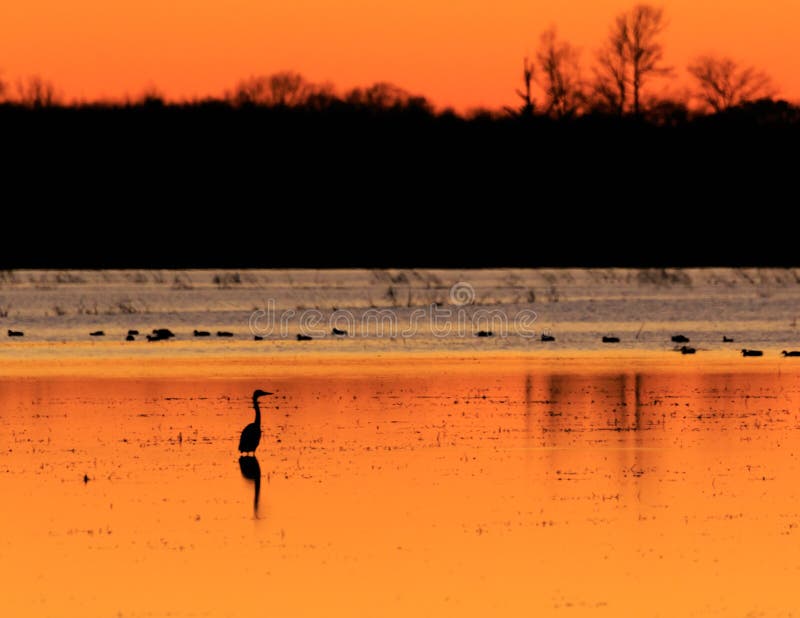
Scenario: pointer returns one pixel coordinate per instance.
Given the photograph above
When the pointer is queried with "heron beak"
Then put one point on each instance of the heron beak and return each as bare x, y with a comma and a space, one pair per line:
268, 393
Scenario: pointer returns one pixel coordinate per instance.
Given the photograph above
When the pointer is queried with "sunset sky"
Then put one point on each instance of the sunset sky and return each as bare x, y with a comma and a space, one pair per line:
464, 54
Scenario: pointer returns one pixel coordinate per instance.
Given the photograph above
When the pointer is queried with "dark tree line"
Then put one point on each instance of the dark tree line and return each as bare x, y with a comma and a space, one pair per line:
280, 166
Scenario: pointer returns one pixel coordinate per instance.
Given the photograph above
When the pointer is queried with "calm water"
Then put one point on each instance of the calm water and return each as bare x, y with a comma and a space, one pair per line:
470, 490
403, 310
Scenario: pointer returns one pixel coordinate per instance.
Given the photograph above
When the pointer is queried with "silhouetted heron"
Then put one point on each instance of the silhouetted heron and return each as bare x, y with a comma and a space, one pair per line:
251, 435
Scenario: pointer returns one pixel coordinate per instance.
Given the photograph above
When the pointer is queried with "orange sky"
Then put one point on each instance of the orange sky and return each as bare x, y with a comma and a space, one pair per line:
464, 53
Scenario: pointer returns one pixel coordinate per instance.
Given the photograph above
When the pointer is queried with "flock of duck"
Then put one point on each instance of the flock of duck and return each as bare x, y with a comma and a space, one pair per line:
164, 334
158, 334
685, 349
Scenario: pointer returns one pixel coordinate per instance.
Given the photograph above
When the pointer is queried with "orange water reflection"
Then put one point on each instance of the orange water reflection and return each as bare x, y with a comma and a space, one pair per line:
476, 491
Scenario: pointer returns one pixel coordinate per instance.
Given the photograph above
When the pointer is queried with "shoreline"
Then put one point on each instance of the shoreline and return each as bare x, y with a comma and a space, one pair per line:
311, 362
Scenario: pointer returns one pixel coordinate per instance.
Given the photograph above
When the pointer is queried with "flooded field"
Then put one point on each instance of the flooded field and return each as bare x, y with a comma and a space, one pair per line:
399, 488
397, 311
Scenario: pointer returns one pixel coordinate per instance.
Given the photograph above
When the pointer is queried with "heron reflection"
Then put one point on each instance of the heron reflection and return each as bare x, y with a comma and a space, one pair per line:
251, 470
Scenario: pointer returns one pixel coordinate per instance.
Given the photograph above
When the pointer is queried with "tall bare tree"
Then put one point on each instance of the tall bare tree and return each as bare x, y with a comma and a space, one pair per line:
527, 107
722, 83
632, 55
558, 66
611, 76
646, 23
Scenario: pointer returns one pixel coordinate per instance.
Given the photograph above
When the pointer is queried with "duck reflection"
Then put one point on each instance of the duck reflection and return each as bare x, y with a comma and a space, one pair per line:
251, 470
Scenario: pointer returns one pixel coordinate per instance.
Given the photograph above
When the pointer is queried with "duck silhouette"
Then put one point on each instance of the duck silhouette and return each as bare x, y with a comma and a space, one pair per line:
160, 334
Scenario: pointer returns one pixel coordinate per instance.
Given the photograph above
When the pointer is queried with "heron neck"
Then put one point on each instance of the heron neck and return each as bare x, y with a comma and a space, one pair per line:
258, 412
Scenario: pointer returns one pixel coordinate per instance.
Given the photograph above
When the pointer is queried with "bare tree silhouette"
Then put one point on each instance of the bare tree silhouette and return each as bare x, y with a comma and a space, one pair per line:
386, 96
249, 91
285, 88
611, 72
558, 64
528, 104
646, 23
527, 99
320, 96
722, 83
632, 55
379, 95
37, 92
288, 88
